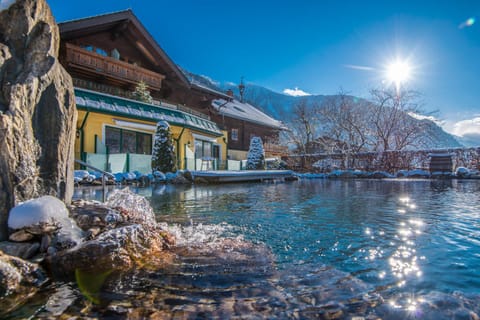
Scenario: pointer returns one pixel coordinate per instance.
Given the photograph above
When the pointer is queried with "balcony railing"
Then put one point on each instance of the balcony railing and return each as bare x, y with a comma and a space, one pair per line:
107, 66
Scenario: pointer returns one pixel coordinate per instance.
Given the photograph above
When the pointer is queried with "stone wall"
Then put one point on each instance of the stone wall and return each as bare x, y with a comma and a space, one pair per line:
391, 161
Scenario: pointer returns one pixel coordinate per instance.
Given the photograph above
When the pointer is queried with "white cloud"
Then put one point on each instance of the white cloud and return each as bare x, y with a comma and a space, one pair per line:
470, 126
296, 92
358, 67
423, 117
467, 127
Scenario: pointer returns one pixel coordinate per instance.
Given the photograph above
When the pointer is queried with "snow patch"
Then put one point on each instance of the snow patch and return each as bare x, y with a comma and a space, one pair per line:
46, 209
296, 92
424, 117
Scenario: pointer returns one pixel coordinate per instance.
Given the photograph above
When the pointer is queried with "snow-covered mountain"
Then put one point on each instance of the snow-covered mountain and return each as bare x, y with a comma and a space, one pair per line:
469, 140
279, 106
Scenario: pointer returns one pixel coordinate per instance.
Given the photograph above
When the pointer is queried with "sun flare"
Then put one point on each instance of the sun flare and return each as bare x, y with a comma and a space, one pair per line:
398, 72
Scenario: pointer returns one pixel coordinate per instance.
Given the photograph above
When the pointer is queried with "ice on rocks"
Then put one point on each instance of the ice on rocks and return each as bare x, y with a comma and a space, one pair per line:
136, 208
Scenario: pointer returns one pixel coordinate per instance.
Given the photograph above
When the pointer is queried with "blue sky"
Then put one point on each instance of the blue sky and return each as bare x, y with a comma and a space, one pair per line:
320, 46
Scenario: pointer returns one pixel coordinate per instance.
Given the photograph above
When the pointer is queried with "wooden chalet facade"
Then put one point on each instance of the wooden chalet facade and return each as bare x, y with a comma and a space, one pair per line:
242, 121
107, 57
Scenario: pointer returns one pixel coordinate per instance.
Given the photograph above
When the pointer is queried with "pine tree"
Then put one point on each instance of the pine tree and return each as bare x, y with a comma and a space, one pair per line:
256, 155
163, 155
142, 93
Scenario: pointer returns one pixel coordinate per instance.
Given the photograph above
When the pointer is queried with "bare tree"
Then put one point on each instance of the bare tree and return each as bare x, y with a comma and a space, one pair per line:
344, 125
393, 126
303, 126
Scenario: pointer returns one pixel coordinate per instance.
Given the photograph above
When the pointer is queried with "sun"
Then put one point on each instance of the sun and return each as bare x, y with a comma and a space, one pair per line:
398, 73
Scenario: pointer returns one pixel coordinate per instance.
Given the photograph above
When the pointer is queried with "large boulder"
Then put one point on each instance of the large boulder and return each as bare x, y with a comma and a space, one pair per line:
37, 109
117, 249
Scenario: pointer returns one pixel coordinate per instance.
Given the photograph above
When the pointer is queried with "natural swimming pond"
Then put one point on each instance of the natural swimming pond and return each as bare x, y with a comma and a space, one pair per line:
390, 249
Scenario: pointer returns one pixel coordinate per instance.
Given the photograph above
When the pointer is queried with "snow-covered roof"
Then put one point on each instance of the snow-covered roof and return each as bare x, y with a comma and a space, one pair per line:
95, 101
245, 111
202, 87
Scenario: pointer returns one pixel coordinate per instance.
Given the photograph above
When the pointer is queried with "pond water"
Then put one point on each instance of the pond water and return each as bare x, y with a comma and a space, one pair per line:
309, 249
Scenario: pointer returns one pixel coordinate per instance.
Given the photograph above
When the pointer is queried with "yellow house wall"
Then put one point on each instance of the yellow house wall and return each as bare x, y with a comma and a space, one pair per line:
96, 122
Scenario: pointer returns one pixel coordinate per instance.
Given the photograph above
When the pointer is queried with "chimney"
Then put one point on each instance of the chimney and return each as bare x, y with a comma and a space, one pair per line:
230, 93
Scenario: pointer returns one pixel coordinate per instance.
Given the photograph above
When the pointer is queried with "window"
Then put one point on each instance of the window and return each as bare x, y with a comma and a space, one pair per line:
203, 149
127, 141
234, 134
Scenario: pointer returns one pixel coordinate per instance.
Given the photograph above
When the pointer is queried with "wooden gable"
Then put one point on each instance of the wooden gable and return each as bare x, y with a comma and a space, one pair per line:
121, 53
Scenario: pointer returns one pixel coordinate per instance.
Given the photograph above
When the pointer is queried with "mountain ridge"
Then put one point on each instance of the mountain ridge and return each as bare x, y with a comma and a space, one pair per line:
280, 106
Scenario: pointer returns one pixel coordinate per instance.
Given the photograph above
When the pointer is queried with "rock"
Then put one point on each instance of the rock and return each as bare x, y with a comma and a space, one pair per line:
21, 236
117, 249
188, 175
44, 217
38, 216
132, 207
37, 109
24, 250
462, 172
45, 243
19, 279
90, 214
380, 175
180, 179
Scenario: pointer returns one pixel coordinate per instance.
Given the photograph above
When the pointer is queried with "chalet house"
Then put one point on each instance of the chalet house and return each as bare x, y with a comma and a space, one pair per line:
107, 57
242, 121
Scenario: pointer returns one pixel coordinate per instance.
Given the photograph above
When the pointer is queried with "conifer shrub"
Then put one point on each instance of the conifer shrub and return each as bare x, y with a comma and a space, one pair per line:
142, 93
256, 155
163, 155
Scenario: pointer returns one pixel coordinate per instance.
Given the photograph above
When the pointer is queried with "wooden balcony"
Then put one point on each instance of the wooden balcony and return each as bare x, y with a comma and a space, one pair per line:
116, 70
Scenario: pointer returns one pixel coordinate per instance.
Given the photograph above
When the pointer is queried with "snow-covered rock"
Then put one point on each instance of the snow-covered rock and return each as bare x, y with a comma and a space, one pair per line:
159, 176
462, 172
46, 215
416, 173
45, 211
311, 175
